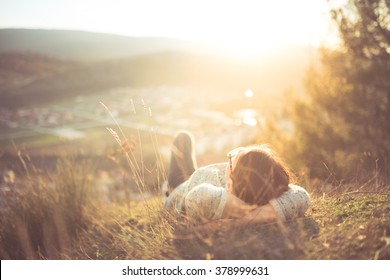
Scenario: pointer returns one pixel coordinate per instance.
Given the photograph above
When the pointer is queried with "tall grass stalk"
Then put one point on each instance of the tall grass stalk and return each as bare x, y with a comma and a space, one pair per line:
136, 166
42, 214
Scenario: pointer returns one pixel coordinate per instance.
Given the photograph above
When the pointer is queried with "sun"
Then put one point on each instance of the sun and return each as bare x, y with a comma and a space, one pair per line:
251, 28
249, 93
242, 46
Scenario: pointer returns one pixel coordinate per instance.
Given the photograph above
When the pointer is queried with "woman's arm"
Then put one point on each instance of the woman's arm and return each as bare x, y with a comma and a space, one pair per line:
207, 202
291, 204
237, 209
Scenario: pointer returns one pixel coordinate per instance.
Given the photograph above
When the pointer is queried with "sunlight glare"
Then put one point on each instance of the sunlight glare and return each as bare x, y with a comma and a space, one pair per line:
247, 116
243, 28
249, 93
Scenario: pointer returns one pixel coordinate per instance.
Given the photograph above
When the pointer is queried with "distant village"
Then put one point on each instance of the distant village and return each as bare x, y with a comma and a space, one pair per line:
166, 109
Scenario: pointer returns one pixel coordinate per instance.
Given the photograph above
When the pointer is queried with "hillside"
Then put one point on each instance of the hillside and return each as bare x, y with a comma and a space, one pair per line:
80, 45
80, 225
22, 68
37, 66
28, 78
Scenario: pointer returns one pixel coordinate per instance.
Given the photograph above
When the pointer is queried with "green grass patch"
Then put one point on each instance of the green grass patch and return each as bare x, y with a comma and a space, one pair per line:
355, 226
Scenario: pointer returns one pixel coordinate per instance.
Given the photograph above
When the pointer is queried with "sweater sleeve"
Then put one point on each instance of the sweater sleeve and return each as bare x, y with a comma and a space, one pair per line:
205, 202
291, 204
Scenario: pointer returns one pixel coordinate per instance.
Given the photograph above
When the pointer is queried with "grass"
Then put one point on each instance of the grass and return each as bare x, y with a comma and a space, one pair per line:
63, 217
354, 226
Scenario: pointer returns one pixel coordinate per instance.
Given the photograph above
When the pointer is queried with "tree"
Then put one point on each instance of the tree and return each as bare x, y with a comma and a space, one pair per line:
343, 127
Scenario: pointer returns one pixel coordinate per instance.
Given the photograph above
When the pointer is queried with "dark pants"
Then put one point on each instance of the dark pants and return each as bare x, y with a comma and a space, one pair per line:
183, 159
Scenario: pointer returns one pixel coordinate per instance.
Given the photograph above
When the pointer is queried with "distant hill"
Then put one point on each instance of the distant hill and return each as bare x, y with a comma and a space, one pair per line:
80, 45
44, 65
22, 68
43, 78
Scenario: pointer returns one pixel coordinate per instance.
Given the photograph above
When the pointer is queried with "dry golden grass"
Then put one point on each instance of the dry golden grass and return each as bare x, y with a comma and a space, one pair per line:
62, 216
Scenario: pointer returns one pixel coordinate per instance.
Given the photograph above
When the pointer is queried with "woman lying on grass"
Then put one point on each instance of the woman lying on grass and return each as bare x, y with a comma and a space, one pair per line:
253, 186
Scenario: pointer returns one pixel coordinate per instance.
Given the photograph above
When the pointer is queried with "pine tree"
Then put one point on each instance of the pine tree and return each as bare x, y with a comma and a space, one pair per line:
343, 128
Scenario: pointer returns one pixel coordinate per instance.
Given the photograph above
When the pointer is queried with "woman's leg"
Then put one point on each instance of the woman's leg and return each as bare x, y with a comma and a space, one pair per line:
183, 159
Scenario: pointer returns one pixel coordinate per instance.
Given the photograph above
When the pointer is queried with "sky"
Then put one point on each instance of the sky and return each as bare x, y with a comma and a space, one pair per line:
240, 26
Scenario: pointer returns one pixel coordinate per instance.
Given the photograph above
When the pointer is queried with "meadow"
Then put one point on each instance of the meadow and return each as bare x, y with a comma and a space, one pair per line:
325, 110
64, 215
99, 196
